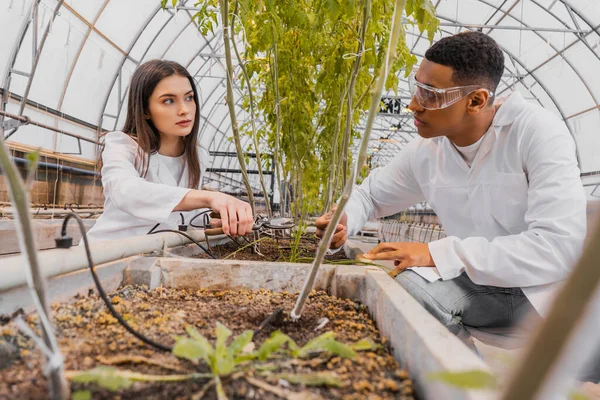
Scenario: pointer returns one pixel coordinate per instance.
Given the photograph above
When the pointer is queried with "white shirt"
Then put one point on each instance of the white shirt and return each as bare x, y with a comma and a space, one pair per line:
516, 218
175, 165
134, 204
468, 152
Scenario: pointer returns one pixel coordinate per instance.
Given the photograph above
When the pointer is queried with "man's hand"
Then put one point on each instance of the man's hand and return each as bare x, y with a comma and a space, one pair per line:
341, 231
404, 255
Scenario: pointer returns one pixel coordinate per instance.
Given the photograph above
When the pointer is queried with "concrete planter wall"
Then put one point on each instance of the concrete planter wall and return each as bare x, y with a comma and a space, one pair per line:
418, 341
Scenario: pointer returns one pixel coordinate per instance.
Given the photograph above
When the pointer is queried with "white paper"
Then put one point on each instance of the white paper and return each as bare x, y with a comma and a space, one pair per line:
429, 273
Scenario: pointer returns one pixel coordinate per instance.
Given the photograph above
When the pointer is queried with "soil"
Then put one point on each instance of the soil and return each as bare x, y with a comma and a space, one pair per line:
272, 250
89, 336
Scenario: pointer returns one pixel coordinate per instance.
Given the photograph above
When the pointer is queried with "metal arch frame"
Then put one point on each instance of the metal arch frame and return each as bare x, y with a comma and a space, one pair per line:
581, 37
531, 72
568, 7
558, 53
10, 65
37, 53
76, 58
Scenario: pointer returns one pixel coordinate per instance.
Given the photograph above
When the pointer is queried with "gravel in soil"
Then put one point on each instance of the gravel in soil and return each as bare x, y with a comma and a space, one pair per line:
89, 336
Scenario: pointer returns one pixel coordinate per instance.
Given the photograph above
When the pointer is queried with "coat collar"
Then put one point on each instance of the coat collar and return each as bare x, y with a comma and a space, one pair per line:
510, 107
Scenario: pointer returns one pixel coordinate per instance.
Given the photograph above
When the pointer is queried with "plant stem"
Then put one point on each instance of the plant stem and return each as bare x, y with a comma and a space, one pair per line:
331, 185
276, 153
231, 104
252, 118
350, 98
245, 247
20, 202
139, 377
397, 28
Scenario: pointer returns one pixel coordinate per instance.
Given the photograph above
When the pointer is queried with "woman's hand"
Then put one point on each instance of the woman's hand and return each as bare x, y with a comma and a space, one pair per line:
236, 215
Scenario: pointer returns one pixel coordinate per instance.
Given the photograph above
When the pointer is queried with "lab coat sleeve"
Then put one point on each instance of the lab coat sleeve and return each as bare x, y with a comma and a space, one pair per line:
130, 192
555, 216
386, 190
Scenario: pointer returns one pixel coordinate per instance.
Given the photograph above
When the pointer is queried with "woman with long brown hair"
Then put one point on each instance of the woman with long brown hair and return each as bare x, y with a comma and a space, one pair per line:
152, 169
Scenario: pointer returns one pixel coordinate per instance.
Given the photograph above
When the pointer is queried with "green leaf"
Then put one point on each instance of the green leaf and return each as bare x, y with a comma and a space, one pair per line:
106, 377
238, 344
203, 342
313, 379
223, 334
274, 343
223, 363
198, 347
163, 3
475, 379
364, 344
246, 357
82, 395
189, 349
326, 342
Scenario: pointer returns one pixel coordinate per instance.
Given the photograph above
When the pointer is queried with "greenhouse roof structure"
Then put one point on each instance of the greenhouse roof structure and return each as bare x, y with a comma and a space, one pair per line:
66, 65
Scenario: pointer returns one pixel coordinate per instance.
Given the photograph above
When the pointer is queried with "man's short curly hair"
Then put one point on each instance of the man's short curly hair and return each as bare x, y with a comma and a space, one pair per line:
475, 58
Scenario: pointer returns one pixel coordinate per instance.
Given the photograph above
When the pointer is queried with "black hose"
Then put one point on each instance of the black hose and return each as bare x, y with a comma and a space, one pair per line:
153, 228
205, 213
152, 231
101, 291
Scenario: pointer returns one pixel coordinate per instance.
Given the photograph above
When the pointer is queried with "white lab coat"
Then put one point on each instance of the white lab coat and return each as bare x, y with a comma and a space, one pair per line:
134, 204
516, 218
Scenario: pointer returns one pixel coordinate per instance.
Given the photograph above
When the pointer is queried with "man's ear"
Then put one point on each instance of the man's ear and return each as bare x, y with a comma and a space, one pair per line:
478, 101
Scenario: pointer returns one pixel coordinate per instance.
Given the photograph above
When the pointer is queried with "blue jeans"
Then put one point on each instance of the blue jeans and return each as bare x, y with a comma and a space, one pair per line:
459, 302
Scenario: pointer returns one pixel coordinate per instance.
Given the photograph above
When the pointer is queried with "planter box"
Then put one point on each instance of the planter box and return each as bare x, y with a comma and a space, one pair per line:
418, 341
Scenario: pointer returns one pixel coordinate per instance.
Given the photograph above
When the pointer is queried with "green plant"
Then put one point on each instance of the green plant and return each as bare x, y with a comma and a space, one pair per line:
228, 360
309, 66
396, 35
296, 239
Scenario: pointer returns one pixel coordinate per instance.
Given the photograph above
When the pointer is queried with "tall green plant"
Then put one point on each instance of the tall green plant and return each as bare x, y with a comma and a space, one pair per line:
397, 32
224, 6
311, 65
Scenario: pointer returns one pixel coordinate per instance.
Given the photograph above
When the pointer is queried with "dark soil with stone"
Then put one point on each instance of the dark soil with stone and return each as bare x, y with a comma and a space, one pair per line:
89, 337
283, 250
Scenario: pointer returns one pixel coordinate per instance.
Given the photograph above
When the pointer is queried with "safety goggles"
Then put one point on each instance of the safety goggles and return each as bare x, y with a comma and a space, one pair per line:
431, 98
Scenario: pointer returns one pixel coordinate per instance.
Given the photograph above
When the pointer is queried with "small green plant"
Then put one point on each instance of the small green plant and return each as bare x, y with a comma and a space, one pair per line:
296, 239
229, 361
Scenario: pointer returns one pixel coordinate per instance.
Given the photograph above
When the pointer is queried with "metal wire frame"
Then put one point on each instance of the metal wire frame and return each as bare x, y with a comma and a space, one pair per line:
581, 33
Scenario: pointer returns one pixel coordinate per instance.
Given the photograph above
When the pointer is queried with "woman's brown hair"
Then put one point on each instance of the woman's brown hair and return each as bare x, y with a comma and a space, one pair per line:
139, 127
